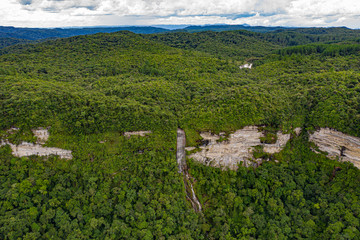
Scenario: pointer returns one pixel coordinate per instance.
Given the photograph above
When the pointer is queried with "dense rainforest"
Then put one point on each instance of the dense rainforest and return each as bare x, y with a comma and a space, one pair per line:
91, 89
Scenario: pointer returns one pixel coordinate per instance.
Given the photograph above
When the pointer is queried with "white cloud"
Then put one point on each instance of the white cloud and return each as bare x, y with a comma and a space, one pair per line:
57, 13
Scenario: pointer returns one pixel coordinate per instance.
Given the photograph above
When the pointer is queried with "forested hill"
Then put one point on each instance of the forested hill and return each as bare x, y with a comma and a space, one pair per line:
276, 35
226, 44
299, 36
98, 62
12, 35
6, 41
89, 90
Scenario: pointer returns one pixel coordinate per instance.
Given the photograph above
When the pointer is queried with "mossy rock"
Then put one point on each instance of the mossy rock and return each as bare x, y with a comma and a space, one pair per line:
269, 138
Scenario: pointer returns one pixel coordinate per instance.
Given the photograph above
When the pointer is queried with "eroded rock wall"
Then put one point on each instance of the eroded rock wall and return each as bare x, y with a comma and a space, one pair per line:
337, 145
238, 148
26, 149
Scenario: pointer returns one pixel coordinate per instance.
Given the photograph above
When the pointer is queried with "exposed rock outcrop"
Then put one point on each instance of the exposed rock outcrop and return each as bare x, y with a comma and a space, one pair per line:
297, 131
42, 135
238, 148
26, 149
281, 141
137, 133
337, 145
246, 65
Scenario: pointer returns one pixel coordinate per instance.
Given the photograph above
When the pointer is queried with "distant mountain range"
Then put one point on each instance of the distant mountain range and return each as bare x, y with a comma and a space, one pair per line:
220, 28
44, 33
13, 35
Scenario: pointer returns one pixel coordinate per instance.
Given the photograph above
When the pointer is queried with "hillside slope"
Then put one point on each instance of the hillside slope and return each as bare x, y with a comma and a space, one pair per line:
92, 92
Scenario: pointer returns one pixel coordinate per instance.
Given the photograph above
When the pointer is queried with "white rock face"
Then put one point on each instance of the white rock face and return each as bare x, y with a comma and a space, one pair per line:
137, 133
26, 149
42, 134
190, 148
180, 150
281, 141
337, 145
247, 65
297, 131
238, 148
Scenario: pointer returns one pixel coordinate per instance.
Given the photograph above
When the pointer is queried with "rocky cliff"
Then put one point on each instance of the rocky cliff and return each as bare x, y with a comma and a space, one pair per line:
26, 149
337, 145
238, 148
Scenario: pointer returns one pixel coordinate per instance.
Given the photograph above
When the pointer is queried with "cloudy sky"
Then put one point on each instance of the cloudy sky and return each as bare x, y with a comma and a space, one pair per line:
63, 13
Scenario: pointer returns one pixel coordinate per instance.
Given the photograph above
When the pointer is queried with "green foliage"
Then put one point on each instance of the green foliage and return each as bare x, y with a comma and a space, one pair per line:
296, 198
236, 45
92, 89
300, 36
259, 153
4, 41
324, 49
269, 138
109, 190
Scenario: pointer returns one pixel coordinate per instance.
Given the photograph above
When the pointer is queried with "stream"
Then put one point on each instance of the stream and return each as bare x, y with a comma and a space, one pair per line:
181, 160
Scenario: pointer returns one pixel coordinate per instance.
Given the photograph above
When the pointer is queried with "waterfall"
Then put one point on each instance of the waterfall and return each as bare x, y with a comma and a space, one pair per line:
181, 160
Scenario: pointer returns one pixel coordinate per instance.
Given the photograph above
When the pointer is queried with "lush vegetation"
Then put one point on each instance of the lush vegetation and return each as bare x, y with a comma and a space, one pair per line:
5, 42
323, 49
305, 196
92, 89
236, 45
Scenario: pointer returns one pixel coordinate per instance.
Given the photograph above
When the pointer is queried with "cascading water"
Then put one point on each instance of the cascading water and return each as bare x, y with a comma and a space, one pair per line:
181, 160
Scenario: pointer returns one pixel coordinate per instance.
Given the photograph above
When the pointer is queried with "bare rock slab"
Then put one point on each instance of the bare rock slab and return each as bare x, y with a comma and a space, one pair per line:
246, 65
137, 133
337, 145
42, 134
26, 149
238, 148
